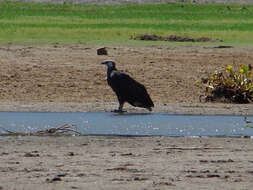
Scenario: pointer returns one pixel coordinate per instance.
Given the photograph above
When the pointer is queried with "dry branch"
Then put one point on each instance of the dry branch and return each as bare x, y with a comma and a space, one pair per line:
53, 131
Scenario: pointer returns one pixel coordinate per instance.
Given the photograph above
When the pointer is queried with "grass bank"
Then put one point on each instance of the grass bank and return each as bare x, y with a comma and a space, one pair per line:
45, 23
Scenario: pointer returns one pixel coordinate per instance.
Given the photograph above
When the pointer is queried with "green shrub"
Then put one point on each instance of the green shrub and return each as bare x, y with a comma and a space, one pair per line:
235, 85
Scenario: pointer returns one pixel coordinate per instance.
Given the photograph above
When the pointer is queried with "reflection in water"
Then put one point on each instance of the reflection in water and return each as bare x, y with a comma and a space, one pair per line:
108, 123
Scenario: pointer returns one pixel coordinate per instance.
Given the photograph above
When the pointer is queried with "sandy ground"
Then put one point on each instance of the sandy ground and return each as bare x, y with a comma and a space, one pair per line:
143, 163
70, 78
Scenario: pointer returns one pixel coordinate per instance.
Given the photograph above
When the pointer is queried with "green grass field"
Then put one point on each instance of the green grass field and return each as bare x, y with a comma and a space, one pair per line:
44, 23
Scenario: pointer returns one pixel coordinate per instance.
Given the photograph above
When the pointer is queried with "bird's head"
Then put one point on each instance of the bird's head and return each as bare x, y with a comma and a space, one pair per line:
110, 64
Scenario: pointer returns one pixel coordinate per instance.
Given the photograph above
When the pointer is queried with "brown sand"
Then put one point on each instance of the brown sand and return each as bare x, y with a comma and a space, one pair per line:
70, 78
110, 163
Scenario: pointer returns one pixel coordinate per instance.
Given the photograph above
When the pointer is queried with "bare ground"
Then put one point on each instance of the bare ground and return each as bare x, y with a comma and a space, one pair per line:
71, 78
125, 163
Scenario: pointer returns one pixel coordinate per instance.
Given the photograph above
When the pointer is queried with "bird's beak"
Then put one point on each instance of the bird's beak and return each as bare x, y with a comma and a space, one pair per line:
103, 63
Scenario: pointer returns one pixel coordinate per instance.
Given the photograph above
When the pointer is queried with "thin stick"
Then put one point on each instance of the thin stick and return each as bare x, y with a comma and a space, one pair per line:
194, 148
57, 130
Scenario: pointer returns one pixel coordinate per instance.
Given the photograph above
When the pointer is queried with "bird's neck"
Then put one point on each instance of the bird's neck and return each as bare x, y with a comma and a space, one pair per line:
109, 71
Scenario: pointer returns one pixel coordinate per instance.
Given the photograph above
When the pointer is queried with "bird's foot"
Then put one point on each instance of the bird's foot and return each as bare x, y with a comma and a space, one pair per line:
119, 111
149, 109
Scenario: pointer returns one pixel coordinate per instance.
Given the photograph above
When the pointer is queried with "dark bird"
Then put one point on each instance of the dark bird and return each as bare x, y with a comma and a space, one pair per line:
127, 89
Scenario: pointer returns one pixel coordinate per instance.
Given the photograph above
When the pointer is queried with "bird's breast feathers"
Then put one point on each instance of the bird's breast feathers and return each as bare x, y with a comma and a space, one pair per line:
114, 74
118, 75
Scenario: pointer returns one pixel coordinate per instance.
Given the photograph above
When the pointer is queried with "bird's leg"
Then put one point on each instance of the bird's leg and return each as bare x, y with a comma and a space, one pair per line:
120, 109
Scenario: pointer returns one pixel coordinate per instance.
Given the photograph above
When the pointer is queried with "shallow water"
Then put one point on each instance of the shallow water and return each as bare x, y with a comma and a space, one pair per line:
107, 123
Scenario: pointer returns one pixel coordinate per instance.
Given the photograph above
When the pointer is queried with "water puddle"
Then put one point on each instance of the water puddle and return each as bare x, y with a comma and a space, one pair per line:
106, 123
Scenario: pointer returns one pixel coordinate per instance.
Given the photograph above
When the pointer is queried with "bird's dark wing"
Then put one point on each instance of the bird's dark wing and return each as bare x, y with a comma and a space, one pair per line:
129, 90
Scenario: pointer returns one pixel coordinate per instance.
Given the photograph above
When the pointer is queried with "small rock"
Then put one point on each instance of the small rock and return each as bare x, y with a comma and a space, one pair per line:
28, 154
118, 179
140, 179
71, 154
102, 51
213, 175
230, 171
205, 171
53, 179
117, 169
4, 153
163, 184
81, 175
250, 172
195, 176
203, 161
127, 154
61, 175
222, 161
190, 171
226, 177
238, 180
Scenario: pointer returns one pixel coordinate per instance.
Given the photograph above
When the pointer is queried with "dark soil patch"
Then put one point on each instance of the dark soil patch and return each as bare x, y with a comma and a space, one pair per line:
223, 94
173, 38
222, 47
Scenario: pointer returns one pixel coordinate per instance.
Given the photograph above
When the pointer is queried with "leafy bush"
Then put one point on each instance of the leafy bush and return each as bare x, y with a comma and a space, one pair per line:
235, 84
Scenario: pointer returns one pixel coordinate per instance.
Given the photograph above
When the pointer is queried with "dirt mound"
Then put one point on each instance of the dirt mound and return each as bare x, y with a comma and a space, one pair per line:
173, 38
